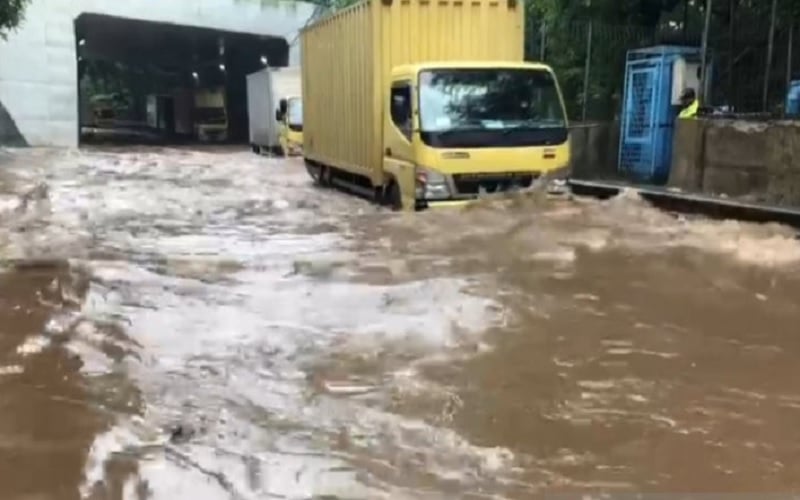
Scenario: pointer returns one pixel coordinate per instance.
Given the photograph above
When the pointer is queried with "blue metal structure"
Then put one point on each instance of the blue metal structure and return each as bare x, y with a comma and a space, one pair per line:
648, 117
793, 99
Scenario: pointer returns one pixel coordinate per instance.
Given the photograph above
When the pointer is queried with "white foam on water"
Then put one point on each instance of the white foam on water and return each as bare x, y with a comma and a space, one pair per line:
33, 345
243, 339
11, 370
190, 330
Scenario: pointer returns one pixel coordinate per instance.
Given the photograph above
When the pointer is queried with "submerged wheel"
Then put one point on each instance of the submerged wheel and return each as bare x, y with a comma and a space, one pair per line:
379, 196
325, 176
394, 198
314, 171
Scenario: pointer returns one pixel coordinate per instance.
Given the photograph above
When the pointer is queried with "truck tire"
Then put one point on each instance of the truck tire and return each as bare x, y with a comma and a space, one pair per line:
314, 171
394, 198
325, 176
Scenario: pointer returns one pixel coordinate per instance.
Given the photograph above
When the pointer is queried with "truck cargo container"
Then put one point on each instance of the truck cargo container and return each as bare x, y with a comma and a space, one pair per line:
263, 128
418, 103
274, 110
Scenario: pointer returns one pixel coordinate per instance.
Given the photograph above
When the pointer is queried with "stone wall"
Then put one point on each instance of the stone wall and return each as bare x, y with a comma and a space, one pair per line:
594, 150
757, 161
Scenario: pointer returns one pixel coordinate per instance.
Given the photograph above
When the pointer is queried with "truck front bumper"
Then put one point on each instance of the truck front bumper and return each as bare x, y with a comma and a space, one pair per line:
212, 134
465, 189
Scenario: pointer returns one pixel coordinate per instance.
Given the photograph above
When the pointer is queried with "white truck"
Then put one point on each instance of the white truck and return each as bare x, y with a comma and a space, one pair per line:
265, 91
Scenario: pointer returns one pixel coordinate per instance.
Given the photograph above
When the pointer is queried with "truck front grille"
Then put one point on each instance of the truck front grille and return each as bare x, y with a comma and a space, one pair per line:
473, 184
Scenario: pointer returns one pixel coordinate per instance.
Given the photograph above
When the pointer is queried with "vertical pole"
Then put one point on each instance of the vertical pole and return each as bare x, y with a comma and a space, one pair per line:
704, 53
543, 42
587, 69
789, 56
770, 48
731, 48
685, 22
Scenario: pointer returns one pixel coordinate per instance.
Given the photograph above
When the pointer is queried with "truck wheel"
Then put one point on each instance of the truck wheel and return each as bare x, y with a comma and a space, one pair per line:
394, 198
315, 172
325, 176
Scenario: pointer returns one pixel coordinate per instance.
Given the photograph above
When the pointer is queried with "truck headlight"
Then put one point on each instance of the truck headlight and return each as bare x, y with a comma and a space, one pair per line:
431, 185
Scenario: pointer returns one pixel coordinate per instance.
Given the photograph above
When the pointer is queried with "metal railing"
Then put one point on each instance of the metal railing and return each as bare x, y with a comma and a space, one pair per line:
753, 54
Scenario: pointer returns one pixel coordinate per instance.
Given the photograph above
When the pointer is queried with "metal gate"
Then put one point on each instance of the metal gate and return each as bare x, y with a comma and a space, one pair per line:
648, 118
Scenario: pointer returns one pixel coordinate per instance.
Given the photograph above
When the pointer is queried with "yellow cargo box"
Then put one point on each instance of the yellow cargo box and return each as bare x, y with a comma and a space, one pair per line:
351, 64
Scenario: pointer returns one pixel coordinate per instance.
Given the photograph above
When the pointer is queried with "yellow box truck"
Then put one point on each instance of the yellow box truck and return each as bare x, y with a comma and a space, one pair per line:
427, 102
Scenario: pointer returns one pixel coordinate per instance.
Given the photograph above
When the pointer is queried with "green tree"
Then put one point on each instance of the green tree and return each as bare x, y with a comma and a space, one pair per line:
738, 41
11, 14
557, 33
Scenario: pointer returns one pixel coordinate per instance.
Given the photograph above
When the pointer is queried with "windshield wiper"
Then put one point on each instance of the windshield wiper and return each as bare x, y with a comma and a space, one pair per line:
476, 126
533, 125
515, 128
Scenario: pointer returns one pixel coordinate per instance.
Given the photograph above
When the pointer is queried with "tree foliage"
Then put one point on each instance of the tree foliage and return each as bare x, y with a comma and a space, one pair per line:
11, 14
557, 33
738, 42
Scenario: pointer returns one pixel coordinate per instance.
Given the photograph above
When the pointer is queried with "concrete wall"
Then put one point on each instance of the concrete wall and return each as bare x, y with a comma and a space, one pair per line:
750, 160
38, 73
594, 150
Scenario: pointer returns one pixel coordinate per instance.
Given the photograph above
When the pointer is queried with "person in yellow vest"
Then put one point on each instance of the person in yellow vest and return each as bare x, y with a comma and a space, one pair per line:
689, 103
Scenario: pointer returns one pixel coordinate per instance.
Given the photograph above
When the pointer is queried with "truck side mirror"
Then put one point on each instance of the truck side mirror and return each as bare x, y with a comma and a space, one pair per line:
278, 115
283, 105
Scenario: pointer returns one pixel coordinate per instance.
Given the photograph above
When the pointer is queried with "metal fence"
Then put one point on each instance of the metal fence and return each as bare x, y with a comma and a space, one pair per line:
753, 59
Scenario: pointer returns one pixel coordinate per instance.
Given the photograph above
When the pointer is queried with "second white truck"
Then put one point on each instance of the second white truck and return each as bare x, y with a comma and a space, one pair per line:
266, 90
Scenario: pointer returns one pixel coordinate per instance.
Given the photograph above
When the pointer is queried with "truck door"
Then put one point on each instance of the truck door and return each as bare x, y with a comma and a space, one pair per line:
398, 154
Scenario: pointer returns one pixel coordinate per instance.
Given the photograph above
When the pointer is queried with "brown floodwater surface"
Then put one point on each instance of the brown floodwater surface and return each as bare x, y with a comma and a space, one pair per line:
204, 323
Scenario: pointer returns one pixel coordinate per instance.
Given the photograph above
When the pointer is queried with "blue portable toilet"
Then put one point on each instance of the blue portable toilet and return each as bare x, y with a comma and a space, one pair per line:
793, 99
654, 79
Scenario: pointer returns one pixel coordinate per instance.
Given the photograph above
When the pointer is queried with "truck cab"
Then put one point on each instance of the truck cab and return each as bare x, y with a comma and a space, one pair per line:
290, 125
455, 131
211, 115
102, 109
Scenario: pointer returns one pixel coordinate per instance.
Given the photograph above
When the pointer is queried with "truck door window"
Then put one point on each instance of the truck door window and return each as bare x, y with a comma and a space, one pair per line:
401, 108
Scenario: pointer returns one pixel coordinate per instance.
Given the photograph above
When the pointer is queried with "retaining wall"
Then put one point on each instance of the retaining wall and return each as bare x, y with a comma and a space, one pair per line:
594, 150
758, 161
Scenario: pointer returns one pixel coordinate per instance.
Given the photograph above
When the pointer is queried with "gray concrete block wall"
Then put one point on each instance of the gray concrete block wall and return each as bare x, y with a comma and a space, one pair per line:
685, 172
757, 161
734, 157
594, 150
783, 163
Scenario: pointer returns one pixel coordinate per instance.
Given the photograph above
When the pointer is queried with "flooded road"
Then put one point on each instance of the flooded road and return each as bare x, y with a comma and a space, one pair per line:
206, 324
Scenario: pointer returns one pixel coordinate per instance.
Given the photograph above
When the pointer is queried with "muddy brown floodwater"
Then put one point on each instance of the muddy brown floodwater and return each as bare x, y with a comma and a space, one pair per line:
205, 324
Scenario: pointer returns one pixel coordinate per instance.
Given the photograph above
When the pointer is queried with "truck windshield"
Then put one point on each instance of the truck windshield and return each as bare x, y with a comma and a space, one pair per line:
295, 113
488, 107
